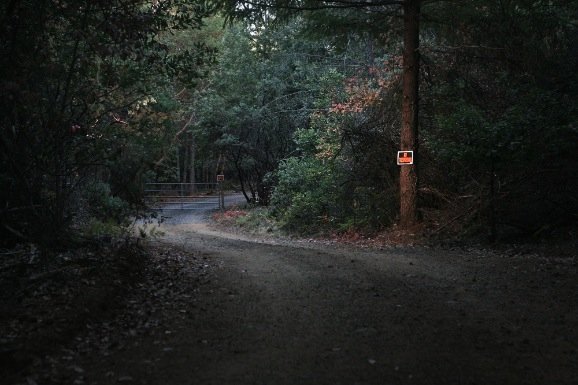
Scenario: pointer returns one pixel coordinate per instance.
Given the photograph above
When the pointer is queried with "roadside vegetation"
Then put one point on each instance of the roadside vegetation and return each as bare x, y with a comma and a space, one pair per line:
299, 105
248, 219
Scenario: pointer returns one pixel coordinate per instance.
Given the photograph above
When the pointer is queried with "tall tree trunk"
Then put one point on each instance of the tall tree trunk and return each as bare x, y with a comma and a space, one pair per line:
409, 115
193, 160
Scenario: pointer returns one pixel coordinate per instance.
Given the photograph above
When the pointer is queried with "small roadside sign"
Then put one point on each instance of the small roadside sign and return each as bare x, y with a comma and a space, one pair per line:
404, 158
220, 178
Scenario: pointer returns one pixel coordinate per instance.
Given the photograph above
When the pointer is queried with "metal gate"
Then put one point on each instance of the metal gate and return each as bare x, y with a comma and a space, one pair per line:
183, 196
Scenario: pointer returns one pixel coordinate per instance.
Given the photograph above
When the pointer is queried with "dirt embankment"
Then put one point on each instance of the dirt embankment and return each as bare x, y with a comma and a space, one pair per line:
214, 308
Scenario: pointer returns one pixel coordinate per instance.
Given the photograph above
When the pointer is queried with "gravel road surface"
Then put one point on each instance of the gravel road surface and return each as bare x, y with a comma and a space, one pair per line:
216, 308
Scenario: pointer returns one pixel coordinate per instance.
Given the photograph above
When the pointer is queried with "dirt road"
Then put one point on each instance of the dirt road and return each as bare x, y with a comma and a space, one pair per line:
216, 308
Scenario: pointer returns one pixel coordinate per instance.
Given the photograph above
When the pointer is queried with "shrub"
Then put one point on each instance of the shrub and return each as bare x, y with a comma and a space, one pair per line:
105, 214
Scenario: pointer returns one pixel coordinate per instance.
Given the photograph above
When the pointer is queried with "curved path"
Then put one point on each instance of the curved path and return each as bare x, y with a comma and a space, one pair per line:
222, 309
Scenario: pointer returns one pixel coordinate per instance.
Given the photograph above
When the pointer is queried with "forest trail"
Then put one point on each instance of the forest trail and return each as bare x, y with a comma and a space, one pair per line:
218, 308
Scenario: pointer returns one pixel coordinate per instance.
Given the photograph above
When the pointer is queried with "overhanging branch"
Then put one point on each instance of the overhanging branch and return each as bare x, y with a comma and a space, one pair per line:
310, 6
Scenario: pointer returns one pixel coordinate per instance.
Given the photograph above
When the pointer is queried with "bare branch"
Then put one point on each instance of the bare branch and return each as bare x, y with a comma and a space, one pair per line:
344, 4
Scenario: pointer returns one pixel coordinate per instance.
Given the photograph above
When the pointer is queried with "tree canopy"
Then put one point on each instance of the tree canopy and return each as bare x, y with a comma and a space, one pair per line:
80, 80
304, 104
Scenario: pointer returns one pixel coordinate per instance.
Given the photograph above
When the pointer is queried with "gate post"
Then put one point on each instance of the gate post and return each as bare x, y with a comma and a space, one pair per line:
220, 180
221, 197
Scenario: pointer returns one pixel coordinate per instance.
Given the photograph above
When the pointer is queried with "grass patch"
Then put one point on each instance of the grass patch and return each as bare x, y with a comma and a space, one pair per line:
253, 220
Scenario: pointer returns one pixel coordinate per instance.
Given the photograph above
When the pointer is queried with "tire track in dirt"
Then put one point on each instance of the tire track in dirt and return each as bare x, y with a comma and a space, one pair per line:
283, 312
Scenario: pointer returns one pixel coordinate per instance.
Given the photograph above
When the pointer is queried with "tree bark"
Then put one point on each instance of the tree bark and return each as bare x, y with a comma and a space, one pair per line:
191, 163
409, 116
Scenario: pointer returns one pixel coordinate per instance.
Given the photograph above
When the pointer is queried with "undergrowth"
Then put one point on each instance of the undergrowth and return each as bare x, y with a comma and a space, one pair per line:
253, 220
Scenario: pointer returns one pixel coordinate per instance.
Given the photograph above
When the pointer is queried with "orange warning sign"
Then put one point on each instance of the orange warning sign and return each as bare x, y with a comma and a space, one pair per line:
404, 157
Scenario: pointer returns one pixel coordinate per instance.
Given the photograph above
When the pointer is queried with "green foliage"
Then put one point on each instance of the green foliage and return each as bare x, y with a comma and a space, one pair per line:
303, 109
338, 180
315, 192
97, 229
103, 206
498, 112
305, 195
258, 95
504, 113
257, 220
76, 78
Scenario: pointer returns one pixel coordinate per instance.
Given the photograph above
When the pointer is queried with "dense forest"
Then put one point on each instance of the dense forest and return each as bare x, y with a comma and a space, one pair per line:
303, 105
